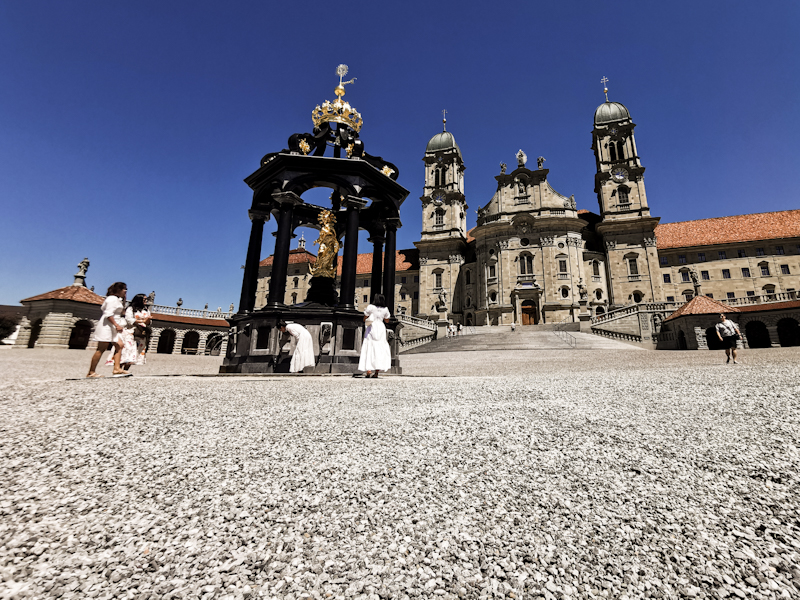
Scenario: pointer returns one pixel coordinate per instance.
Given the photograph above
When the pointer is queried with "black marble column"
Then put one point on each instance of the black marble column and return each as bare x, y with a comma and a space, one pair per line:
280, 260
389, 262
247, 300
350, 255
377, 265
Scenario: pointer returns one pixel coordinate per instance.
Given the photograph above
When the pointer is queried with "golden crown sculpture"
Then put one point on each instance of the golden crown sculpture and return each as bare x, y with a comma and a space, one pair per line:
338, 111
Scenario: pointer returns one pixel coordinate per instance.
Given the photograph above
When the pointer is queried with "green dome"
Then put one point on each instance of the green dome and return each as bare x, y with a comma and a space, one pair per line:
608, 112
443, 141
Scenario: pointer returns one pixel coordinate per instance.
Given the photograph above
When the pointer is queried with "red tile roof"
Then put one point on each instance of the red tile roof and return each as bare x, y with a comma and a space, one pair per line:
702, 305
73, 292
189, 320
406, 260
296, 256
727, 230
772, 306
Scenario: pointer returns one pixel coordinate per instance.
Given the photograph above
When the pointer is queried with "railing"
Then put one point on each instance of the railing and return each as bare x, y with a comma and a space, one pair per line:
565, 337
563, 275
635, 308
488, 219
416, 342
528, 278
619, 336
189, 312
424, 323
761, 299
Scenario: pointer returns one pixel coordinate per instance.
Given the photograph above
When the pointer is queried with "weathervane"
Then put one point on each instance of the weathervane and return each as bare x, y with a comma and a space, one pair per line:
341, 71
444, 120
604, 81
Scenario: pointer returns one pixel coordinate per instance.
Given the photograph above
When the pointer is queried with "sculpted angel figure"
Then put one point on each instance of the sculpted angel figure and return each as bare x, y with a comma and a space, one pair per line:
83, 266
328, 246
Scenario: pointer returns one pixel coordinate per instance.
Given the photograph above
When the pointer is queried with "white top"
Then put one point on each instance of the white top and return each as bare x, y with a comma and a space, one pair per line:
113, 307
727, 328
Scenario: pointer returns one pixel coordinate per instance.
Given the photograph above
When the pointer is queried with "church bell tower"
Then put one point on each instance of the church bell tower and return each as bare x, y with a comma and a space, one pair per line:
627, 228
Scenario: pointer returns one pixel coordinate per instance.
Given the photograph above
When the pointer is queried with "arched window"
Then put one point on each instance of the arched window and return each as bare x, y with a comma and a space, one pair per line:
468, 302
565, 292
637, 296
436, 178
439, 217
598, 294
621, 150
525, 264
493, 297
612, 151
294, 298
633, 267
467, 277
444, 176
623, 195
688, 294
596, 268
296, 281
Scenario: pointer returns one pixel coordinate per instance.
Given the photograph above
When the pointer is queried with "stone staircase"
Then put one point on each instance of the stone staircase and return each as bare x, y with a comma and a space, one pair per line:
530, 338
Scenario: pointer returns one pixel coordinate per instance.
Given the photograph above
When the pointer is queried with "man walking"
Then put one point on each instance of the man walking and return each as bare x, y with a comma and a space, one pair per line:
728, 333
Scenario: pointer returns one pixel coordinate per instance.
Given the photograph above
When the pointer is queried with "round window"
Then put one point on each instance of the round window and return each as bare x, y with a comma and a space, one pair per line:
491, 252
637, 297
598, 294
560, 244
564, 292
493, 296
524, 242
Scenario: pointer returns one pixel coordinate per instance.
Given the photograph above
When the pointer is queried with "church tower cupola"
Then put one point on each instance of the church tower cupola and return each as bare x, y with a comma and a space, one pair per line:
444, 207
619, 180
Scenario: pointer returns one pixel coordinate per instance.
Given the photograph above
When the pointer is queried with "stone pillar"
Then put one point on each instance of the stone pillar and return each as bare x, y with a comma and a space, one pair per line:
350, 256
390, 261
283, 237
154, 337
377, 265
201, 343
250, 280
179, 333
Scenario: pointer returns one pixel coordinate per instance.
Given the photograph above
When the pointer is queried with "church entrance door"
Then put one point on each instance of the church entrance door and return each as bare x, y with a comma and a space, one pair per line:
530, 316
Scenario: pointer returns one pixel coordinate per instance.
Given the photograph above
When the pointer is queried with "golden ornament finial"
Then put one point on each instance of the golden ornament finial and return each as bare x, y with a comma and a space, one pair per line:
604, 81
338, 111
444, 119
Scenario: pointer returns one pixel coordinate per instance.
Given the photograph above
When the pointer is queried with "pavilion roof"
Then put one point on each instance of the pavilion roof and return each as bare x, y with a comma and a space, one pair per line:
76, 293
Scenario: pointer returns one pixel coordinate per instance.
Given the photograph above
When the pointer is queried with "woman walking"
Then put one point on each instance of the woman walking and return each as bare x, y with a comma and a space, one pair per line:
375, 352
109, 328
137, 318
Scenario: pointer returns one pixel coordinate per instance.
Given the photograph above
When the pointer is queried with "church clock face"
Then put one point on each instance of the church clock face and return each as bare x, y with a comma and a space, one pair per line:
438, 198
619, 175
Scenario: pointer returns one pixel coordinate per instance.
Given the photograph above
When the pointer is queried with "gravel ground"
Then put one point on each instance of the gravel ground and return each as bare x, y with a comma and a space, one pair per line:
613, 474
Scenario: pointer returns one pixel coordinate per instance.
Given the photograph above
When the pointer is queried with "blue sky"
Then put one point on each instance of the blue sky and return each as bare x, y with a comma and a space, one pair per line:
126, 129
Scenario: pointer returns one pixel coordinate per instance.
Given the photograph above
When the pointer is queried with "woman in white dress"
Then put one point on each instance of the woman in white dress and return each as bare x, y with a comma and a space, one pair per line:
375, 352
137, 317
109, 328
304, 348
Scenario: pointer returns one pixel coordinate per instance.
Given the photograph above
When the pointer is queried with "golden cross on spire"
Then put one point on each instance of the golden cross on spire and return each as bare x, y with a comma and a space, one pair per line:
604, 81
444, 120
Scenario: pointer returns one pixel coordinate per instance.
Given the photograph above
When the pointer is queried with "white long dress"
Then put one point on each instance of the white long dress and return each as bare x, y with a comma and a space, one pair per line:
105, 331
129, 354
304, 348
375, 352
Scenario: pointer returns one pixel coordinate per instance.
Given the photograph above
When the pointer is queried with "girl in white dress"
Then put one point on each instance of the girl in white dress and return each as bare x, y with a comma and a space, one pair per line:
304, 348
109, 328
375, 352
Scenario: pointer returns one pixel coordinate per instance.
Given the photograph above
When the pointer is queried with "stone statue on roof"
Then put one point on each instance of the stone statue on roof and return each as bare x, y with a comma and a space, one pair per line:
80, 276
522, 158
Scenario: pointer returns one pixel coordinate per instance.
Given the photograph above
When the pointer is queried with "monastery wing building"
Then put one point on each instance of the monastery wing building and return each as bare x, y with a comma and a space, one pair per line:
534, 255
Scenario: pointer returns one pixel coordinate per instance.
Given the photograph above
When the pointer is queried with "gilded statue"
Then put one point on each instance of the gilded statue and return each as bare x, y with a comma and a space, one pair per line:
328, 246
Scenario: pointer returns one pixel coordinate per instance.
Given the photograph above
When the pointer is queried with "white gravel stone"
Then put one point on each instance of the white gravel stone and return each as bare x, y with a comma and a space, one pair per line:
522, 475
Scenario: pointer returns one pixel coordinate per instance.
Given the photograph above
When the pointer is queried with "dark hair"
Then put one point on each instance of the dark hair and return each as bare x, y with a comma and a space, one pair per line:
281, 324
137, 303
116, 288
379, 300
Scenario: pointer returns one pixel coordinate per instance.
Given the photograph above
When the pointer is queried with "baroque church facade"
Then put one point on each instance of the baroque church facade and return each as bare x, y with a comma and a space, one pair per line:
534, 257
